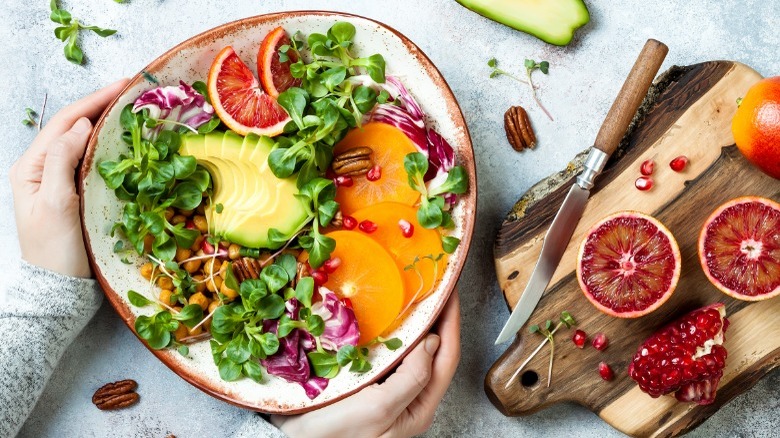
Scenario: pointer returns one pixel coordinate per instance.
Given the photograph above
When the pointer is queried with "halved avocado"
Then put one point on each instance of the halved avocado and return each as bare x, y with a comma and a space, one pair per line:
552, 21
252, 199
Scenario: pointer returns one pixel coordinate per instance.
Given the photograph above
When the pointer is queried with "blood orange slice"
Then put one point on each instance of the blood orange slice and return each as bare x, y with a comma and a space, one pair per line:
238, 99
628, 264
274, 74
739, 248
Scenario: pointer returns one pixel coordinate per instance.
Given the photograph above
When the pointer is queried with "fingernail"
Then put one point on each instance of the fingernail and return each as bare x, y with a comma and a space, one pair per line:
432, 344
82, 126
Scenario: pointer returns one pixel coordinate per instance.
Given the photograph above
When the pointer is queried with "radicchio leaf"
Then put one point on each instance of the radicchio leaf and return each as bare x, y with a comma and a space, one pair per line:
341, 326
290, 362
181, 104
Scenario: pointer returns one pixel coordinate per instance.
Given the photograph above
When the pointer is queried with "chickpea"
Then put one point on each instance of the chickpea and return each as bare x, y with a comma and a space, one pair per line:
183, 254
200, 285
178, 219
186, 213
213, 306
180, 332
207, 324
165, 282
201, 224
214, 284
199, 299
223, 268
169, 213
198, 242
166, 296
148, 242
234, 251
228, 292
146, 270
196, 331
210, 266
192, 266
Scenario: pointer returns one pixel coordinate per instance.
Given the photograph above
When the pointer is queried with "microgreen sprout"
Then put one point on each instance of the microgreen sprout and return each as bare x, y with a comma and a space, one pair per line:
530, 66
32, 118
69, 31
413, 267
548, 331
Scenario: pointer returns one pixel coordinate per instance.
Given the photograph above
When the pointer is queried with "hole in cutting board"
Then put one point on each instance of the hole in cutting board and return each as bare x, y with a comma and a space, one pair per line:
529, 379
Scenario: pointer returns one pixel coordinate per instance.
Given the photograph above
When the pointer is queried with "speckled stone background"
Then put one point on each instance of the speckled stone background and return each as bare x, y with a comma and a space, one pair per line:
584, 78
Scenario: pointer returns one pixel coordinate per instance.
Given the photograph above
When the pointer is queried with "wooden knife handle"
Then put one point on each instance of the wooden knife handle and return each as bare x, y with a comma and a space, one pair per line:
631, 96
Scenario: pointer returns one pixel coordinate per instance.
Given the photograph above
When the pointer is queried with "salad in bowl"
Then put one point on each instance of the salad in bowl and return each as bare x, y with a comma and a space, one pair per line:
274, 213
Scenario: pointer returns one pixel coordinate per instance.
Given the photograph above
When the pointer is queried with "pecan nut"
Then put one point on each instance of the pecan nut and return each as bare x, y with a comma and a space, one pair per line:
116, 395
352, 162
246, 268
338, 220
518, 129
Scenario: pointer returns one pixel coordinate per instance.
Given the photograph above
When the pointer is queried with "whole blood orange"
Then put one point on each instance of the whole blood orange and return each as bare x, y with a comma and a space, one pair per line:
739, 248
756, 126
370, 279
389, 145
274, 74
422, 245
628, 264
238, 99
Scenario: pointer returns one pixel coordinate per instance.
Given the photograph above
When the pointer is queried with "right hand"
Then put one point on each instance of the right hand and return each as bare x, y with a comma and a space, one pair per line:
46, 203
401, 406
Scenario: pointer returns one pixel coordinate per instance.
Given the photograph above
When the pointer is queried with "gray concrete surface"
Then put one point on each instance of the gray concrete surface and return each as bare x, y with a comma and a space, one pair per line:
583, 80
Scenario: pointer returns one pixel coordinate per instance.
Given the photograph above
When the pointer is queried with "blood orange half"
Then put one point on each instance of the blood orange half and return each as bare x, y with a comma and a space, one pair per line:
628, 264
274, 74
739, 248
238, 99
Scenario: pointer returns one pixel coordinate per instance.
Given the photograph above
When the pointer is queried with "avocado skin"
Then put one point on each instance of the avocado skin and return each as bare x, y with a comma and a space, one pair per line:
552, 21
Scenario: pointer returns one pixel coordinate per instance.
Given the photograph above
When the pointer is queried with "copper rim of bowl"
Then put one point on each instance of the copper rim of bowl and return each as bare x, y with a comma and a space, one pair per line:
470, 199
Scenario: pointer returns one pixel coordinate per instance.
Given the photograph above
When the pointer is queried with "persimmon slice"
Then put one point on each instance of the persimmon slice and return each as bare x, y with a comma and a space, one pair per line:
423, 245
389, 145
369, 278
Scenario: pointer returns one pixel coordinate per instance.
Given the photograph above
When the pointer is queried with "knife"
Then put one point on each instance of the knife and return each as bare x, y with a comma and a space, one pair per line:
562, 228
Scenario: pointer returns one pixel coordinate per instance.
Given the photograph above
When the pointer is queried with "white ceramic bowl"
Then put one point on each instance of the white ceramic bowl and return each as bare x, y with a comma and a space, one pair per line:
189, 62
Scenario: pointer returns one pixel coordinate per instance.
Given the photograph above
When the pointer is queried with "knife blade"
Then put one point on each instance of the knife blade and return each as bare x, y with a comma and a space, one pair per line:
565, 222
555, 242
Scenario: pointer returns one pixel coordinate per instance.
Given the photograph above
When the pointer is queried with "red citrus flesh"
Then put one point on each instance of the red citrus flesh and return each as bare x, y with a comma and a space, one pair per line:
739, 248
274, 74
238, 99
628, 265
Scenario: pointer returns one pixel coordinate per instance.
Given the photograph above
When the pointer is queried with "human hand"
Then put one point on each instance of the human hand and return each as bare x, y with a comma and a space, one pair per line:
402, 406
46, 203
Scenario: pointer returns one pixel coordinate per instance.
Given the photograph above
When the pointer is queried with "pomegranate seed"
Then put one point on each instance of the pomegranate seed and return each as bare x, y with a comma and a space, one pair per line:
331, 265
407, 229
320, 277
647, 168
347, 302
644, 183
679, 163
600, 342
207, 247
190, 225
605, 371
330, 174
579, 338
374, 174
367, 226
348, 222
343, 181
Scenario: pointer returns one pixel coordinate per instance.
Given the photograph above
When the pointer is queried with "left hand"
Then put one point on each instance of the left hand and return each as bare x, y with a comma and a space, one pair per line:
46, 203
401, 406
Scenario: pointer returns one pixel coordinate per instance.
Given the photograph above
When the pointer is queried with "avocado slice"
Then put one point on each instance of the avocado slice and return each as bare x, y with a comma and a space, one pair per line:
253, 199
552, 21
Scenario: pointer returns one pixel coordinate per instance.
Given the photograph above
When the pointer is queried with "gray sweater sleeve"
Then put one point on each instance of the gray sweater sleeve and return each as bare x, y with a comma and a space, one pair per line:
41, 315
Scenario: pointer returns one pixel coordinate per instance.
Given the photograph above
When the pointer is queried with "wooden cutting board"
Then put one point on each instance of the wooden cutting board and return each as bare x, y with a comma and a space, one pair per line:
687, 112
